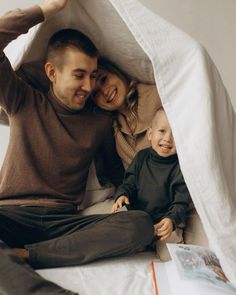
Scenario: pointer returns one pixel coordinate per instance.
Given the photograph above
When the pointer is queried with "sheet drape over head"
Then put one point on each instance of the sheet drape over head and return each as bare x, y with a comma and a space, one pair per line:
192, 93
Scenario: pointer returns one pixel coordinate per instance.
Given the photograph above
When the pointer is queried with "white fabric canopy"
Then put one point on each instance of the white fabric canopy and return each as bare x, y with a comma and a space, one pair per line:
192, 93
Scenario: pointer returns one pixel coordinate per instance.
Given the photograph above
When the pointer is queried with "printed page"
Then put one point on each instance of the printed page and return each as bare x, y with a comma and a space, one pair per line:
198, 267
169, 282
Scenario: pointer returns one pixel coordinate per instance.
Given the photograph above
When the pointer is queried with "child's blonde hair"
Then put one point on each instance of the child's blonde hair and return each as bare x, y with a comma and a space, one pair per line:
156, 116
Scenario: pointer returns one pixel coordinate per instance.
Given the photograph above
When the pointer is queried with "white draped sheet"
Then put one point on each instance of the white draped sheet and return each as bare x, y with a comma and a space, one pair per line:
191, 90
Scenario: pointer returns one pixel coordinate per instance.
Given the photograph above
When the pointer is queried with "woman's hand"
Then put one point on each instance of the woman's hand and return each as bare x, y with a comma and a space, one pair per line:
120, 202
164, 228
51, 7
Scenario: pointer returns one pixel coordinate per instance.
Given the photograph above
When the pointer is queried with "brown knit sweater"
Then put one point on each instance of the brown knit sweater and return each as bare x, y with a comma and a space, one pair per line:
51, 147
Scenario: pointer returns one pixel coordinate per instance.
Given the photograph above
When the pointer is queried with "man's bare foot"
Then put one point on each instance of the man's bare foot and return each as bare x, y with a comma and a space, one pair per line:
23, 253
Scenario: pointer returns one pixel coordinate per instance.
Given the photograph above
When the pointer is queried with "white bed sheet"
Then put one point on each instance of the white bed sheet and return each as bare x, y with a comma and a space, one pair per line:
130, 275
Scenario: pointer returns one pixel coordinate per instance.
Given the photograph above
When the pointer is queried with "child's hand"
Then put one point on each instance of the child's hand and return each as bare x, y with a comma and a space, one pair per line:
164, 228
122, 200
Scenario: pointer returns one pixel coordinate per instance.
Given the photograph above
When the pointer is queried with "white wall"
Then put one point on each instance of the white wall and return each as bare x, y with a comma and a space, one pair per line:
211, 22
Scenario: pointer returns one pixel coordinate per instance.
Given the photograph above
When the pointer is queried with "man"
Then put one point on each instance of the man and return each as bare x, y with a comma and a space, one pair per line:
54, 138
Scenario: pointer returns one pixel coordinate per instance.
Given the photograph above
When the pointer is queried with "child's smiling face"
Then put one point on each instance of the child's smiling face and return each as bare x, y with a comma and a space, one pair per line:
161, 137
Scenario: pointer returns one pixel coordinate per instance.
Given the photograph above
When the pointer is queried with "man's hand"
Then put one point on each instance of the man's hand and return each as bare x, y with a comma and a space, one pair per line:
164, 228
120, 202
51, 7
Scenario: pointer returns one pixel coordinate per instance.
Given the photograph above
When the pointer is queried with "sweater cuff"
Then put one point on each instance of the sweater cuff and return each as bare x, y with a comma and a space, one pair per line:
35, 15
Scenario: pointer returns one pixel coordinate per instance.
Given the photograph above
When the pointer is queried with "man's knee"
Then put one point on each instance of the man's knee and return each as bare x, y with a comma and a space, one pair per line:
139, 228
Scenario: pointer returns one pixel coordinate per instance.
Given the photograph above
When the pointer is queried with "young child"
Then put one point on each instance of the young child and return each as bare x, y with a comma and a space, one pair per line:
154, 183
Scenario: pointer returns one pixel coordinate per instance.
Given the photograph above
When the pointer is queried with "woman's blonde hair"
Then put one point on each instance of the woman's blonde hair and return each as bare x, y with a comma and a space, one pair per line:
132, 94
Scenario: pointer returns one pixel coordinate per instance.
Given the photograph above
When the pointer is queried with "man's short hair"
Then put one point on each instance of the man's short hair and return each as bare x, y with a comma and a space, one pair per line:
65, 38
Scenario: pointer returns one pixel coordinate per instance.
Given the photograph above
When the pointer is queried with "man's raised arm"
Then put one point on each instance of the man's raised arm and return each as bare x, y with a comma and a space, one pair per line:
19, 21
12, 24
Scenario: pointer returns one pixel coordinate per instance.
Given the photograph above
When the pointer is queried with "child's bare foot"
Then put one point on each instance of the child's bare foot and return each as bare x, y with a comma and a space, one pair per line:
21, 252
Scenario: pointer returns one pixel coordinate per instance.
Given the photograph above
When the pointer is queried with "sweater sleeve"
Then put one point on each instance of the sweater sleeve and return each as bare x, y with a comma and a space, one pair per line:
17, 22
129, 185
177, 211
13, 24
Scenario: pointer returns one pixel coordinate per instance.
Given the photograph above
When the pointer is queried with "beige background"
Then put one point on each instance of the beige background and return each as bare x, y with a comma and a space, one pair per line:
211, 22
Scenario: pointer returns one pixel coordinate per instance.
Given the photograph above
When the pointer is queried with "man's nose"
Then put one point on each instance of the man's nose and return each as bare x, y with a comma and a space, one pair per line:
87, 85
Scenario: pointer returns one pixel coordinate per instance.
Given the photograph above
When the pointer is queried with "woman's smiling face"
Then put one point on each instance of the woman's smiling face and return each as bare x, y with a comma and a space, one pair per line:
110, 91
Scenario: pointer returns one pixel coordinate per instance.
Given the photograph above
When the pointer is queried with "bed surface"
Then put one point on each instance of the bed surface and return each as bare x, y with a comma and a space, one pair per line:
130, 275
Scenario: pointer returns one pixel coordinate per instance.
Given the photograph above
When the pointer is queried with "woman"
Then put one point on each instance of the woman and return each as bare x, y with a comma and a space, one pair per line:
134, 105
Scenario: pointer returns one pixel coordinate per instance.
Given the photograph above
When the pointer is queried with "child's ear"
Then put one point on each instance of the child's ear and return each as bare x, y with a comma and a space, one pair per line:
149, 134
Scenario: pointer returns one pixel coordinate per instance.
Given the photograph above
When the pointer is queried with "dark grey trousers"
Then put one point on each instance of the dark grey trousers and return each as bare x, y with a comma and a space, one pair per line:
61, 237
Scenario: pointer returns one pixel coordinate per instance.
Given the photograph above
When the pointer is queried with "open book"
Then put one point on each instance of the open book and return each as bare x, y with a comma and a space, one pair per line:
193, 270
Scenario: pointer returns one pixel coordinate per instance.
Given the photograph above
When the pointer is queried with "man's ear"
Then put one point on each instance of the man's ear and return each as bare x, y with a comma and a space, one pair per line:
149, 133
50, 71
